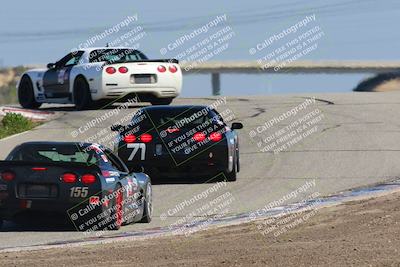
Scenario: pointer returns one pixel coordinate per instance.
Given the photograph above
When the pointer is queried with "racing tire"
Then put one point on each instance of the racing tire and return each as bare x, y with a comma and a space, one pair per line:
161, 101
82, 96
147, 205
117, 212
1, 223
238, 161
26, 95
232, 176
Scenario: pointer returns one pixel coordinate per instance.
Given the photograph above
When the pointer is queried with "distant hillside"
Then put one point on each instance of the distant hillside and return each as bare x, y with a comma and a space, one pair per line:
383, 82
9, 77
8, 80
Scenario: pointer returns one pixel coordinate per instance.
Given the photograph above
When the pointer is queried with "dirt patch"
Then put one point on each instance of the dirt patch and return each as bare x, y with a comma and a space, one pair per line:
356, 233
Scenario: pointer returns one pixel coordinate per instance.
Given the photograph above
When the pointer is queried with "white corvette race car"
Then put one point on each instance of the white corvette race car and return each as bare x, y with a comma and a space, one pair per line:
98, 75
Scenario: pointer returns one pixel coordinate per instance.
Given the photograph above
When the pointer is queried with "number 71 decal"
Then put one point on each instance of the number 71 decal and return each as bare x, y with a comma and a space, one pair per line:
136, 148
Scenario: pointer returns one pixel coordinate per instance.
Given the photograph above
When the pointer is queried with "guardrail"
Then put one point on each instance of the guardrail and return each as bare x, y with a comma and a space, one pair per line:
216, 68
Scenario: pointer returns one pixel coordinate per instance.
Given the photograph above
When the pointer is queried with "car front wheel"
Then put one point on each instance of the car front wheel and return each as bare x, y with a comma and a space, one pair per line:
26, 95
147, 205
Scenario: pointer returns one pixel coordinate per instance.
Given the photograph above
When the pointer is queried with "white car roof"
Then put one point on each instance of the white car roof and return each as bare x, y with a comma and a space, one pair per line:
85, 56
90, 49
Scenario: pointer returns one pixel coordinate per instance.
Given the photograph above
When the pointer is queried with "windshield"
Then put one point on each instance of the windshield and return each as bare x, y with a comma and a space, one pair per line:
115, 55
55, 153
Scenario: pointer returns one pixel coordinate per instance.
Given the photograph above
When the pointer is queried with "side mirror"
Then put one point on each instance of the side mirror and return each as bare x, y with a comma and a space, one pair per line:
51, 65
116, 128
236, 125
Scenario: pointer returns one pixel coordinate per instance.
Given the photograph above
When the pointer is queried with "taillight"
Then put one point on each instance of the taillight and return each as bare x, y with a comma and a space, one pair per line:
110, 70
215, 137
69, 178
161, 68
146, 138
173, 68
8, 176
106, 173
88, 178
129, 138
198, 137
123, 69
39, 169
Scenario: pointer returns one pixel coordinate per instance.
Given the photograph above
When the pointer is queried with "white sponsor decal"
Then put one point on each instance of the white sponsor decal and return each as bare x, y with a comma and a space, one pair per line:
110, 180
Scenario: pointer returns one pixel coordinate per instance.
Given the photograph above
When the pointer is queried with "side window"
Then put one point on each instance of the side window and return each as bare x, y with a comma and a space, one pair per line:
115, 162
70, 59
216, 117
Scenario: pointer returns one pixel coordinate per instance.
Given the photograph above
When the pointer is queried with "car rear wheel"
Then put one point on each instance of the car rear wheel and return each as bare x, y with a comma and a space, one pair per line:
26, 95
238, 160
117, 212
161, 101
1, 223
82, 96
147, 205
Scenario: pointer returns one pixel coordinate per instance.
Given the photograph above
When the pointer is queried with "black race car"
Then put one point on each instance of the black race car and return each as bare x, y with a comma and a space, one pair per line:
85, 182
179, 141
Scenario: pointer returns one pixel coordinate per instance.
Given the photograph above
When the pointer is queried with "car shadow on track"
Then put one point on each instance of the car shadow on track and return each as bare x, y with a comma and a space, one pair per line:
37, 227
187, 180
39, 222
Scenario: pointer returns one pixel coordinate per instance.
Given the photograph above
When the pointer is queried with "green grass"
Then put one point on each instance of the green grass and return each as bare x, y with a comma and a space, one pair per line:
15, 123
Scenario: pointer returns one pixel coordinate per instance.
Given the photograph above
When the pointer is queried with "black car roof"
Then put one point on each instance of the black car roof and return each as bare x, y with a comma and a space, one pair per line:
177, 107
50, 143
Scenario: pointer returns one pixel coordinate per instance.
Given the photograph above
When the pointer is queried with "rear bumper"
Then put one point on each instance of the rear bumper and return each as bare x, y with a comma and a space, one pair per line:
12, 207
15, 208
159, 92
179, 166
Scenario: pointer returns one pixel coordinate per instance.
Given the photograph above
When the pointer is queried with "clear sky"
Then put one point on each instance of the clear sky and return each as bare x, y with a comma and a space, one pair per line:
38, 32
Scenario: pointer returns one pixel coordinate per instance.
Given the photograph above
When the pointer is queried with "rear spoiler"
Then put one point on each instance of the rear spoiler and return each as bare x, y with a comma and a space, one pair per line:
171, 60
9, 164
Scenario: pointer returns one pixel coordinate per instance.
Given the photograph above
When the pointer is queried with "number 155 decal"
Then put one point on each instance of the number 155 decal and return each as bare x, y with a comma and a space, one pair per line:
136, 147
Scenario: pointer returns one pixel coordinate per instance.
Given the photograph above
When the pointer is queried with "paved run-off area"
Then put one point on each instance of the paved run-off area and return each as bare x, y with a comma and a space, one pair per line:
355, 144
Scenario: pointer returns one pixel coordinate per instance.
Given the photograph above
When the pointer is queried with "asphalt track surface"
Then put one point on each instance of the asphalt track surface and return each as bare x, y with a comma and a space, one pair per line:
356, 144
